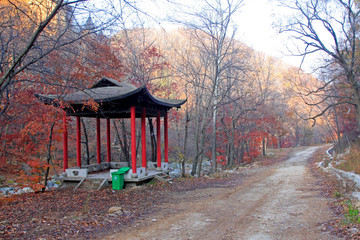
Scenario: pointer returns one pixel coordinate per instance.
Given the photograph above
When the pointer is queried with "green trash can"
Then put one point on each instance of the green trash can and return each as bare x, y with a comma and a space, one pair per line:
117, 180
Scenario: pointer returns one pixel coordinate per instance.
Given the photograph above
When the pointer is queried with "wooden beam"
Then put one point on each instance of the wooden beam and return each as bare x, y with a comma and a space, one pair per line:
158, 135
98, 141
108, 137
143, 138
65, 143
166, 138
78, 142
133, 141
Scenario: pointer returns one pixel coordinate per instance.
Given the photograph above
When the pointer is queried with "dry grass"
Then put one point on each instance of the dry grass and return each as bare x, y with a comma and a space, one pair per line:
351, 162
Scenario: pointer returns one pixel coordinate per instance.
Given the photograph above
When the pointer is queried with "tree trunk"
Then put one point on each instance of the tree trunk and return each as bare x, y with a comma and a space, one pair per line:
213, 144
199, 163
264, 146
187, 120
279, 141
241, 151
48, 157
357, 111
197, 147
126, 148
118, 137
338, 133
5, 141
231, 147
138, 139
153, 140
86, 142
297, 135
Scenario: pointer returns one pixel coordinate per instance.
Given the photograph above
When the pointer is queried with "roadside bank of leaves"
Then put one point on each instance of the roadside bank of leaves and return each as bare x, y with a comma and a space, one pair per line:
84, 214
346, 221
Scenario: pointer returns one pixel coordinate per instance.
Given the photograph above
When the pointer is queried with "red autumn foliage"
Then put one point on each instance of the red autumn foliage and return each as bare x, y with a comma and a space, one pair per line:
249, 134
27, 123
25, 135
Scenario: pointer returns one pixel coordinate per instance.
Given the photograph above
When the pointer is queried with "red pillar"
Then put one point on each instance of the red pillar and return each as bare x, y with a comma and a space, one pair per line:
158, 133
65, 143
133, 140
166, 138
108, 140
143, 138
98, 143
78, 142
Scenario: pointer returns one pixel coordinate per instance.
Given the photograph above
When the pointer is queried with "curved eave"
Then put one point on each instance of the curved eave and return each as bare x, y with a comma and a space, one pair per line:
164, 102
48, 99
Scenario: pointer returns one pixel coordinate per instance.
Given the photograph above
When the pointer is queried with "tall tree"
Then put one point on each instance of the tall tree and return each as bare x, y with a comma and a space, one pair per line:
213, 30
332, 29
31, 31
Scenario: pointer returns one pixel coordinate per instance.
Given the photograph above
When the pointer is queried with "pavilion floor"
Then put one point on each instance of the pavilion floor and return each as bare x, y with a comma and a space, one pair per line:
100, 176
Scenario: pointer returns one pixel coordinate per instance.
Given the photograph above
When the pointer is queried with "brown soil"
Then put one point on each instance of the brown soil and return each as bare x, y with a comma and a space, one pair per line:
277, 202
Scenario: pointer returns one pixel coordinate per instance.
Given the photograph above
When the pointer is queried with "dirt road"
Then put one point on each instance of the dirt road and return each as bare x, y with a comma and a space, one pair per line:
281, 202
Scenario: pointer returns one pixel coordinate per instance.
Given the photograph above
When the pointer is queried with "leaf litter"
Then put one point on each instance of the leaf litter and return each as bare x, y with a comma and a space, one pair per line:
63, 214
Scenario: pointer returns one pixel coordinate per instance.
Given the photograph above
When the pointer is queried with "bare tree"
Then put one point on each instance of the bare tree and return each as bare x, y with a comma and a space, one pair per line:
30, 32
330, 28
214, 33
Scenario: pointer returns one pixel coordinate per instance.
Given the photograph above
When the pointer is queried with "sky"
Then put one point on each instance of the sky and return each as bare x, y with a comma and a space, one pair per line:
256, 28
255, 22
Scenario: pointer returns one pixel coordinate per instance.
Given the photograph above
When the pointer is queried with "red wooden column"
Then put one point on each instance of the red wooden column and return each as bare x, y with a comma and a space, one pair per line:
158, 135
78, 142
143, 138
65, 143
108, 146
98, 143
133, 141
166, 138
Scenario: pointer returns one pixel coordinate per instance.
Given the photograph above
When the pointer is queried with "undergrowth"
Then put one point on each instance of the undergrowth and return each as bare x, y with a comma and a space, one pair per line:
351, 213
351, 161
345, 222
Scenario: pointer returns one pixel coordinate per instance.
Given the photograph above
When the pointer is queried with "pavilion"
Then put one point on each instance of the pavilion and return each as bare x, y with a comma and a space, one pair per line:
115, 100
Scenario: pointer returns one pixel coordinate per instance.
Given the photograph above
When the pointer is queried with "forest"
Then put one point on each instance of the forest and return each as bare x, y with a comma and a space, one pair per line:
240, 102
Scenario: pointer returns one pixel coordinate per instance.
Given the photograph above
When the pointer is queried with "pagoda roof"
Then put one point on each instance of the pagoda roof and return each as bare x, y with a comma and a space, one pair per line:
114, 98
